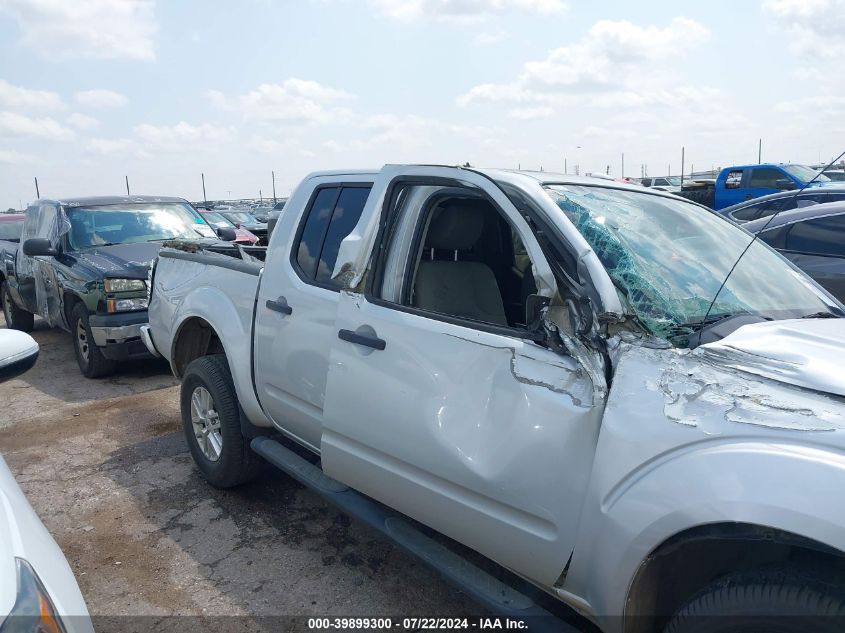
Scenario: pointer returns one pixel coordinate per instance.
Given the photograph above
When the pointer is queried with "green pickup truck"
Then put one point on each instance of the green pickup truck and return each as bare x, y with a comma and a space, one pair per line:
82, 265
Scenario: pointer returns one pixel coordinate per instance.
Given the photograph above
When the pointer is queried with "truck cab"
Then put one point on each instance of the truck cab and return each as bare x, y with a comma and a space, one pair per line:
738, 184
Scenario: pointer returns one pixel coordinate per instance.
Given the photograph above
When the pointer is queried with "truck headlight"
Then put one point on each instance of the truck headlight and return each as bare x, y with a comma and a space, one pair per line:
33, 611
124, 285
126, 305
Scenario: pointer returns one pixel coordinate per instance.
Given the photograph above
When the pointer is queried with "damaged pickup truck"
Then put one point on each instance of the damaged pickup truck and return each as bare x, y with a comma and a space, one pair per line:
525, 363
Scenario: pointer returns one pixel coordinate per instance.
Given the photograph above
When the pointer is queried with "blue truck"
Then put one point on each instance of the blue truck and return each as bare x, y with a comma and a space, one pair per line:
744, 182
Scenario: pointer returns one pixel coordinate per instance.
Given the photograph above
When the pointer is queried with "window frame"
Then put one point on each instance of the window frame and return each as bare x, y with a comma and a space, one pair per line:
300, 229
381, 249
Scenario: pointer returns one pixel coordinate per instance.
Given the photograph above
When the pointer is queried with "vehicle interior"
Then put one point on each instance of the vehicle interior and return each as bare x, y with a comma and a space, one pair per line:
469, 262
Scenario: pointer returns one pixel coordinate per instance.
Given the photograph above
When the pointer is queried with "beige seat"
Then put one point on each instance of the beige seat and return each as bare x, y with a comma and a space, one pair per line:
458, 288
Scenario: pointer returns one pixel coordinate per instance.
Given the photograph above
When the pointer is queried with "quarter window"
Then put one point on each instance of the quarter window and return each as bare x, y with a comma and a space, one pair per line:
734, 179
334, 212
748, 213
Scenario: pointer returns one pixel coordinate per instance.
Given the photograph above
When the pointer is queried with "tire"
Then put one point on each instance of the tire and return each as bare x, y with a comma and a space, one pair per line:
16, 319
90, 359
212, 425
770, 600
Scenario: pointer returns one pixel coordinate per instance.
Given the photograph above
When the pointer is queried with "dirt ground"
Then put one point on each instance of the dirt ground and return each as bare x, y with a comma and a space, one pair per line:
105, 465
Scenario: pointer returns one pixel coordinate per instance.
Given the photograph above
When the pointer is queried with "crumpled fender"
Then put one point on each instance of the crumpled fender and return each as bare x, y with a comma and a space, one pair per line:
660, 471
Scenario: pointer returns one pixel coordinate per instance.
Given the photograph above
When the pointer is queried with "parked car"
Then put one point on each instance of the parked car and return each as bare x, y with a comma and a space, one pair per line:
82, 265
38, 591
274, 217
521, 362
219, 221
765, 206
663, 183
812, 238
742, 183
243, 220
262, 214
835, 175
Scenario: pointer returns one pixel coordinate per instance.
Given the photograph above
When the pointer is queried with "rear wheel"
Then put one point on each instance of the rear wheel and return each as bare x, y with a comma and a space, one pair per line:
90, 359
212, 425
16, 319
770, 600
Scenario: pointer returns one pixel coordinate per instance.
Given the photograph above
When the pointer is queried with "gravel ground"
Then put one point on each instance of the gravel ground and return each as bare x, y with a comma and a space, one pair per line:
106, 467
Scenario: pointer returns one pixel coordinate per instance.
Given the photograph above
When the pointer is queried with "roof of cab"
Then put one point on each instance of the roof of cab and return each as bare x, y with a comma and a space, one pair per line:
91, 201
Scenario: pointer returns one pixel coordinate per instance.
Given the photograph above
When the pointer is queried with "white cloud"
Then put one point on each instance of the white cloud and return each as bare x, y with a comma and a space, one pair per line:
101, 98
82, 121
292, 101
103, 29
526, 114
15, 157
814, 105
13, 124
463, 10
109, 146
183, 136
813, 27
17, 97
617, 63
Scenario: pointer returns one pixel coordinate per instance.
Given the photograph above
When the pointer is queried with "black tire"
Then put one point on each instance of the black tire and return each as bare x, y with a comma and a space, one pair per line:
769, 600
16, 319
90, 359
236, 462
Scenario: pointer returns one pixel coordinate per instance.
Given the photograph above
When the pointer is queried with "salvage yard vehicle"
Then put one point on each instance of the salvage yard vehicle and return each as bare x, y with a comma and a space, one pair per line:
812, 238
82, 265
242, 219
37, 589
549, 370
741, 183
218, 221
765, 206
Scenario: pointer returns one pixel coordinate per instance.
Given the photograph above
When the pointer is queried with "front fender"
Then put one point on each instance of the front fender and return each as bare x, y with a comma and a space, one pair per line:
743, 481
684, 444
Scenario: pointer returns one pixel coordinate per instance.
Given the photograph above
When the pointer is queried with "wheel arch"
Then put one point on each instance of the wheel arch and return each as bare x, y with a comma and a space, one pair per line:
194, 338
686, 562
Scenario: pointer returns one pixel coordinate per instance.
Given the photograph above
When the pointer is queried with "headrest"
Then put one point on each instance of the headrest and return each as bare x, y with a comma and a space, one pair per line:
456, 226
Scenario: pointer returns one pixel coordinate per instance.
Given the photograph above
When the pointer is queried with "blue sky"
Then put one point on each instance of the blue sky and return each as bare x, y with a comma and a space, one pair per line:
94, 90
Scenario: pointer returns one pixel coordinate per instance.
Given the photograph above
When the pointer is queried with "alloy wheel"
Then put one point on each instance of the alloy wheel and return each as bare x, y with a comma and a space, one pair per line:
206, 423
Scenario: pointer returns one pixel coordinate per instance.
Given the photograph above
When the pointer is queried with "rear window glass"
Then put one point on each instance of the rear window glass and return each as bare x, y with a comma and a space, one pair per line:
346, 214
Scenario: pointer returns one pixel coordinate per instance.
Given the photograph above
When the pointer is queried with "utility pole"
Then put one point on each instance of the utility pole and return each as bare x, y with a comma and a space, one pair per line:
682, 166
565, 166
260, 197
127, 185
759, 151
273, 173
204, 199
622, 173
37, 193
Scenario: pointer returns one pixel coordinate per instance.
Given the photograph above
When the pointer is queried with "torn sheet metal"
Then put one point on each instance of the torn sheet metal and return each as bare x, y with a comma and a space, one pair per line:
713, 398
804, 352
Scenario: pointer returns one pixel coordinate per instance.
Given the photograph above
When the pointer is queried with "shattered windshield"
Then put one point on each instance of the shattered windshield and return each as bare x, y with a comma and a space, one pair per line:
669, 258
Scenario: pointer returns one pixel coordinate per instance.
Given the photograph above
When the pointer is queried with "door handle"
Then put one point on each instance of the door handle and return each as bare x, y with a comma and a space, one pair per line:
362, 339
279, 305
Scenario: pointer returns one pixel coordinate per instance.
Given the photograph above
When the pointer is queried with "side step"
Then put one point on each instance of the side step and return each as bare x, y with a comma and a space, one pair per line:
481, 586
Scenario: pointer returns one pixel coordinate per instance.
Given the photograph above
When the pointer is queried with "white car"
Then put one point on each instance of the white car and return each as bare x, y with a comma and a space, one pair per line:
37, 589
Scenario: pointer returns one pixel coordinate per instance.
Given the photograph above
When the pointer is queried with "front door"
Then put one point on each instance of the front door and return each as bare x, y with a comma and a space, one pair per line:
439, 404
297, 305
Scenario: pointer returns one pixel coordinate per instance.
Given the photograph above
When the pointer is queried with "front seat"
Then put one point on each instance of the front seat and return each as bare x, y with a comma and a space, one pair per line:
458, 288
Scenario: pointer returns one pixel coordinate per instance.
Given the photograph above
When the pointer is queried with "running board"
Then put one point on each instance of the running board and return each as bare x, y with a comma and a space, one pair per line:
477, 583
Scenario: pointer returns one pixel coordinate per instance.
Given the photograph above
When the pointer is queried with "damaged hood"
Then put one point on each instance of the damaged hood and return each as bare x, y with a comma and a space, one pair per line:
802, 352
124, 260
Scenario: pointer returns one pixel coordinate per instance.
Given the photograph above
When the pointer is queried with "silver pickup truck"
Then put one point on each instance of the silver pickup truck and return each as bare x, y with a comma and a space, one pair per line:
545, 369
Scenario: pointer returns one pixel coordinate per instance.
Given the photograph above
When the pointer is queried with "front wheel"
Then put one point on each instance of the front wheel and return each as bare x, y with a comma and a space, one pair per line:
90, 359
770, 600
212, 425
16, 319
